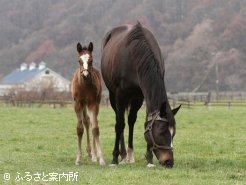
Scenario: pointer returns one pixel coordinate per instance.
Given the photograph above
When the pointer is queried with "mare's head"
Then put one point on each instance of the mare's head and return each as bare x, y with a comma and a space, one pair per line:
85, 60
159, 134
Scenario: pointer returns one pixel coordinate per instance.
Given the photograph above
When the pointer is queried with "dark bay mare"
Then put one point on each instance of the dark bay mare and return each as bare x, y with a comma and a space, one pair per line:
133, 70
86, 91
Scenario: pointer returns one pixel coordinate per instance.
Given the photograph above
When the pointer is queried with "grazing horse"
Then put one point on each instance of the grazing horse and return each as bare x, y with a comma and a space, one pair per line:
133, 70
86, 91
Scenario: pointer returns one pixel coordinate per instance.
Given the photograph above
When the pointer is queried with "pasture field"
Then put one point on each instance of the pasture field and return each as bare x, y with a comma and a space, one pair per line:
209, 148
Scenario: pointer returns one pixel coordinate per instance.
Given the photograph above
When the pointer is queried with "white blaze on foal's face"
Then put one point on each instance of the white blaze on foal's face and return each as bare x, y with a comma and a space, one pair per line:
85, 59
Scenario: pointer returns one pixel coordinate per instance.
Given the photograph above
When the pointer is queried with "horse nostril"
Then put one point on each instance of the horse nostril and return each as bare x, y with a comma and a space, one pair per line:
85, 73
167, 163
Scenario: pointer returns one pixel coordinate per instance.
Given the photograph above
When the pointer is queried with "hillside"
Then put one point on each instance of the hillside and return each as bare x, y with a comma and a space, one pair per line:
194, 36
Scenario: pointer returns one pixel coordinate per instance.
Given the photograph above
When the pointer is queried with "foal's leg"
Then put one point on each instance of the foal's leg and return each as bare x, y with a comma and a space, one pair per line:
80, 130
135, 106
86, 121
93, 112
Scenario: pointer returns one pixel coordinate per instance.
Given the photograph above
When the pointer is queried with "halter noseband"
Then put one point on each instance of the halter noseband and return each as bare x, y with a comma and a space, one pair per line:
152, 118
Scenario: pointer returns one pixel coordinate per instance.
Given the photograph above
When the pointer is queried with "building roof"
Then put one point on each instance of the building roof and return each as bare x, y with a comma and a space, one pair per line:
23, 74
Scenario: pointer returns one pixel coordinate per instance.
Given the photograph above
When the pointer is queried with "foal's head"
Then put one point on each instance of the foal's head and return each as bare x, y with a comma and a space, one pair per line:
85, 60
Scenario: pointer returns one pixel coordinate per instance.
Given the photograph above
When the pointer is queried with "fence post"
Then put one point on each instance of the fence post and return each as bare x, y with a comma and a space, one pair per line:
229, 105
174, 101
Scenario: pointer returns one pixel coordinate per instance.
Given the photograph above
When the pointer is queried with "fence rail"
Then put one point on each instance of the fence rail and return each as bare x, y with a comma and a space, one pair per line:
35, 103
227, 99
228, 104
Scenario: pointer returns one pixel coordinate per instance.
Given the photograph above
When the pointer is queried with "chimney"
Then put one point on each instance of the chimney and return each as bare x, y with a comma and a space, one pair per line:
23, 66
41, 65
32, 66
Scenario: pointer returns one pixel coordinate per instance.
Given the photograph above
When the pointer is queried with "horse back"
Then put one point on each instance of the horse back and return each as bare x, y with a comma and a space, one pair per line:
116, 63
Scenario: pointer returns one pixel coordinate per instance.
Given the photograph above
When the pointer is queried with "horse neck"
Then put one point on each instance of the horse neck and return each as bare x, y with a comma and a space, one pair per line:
156, 100
155, 97
159, 103
95, 82
154, 91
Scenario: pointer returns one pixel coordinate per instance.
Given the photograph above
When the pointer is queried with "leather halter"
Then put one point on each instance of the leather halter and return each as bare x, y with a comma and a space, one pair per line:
152, 118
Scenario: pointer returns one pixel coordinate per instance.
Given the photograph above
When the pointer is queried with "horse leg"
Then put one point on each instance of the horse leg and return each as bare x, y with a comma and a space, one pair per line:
80, 130
94, 149
120, 125
149, 157
123, 153
86, 121
93, 112
122, 142
135, 106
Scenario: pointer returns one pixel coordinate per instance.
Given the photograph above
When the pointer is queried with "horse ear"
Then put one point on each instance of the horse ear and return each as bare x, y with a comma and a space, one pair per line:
90, 47
79, 47
175, 110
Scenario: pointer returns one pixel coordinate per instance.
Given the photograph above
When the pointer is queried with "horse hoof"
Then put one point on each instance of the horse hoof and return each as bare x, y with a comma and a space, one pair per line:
150, 165
123, 161
114, 162
89, 157
132, 161
130, 157
102, 162
77, 163
94, 159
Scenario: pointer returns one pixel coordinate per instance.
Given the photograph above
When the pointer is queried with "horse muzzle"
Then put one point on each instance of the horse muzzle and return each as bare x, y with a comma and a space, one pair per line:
85, 73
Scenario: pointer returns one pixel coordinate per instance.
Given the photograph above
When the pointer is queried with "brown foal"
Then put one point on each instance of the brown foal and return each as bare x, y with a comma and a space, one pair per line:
86, 91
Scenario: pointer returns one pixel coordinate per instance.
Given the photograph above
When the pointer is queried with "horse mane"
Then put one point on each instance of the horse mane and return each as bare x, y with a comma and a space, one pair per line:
149, 67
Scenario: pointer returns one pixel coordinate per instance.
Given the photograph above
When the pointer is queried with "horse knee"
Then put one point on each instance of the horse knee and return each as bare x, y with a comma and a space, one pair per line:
80, 130
95, 132
86, 121
132, 119
119, 127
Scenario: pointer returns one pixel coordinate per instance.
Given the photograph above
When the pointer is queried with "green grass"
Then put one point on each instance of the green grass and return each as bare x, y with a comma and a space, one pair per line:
210, 147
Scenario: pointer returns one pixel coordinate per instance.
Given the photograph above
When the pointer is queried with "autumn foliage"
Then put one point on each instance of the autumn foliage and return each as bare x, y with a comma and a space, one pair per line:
194, 36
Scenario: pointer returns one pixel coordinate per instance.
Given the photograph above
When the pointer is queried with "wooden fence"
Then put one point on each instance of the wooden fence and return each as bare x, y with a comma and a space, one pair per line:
208, 99
228, 99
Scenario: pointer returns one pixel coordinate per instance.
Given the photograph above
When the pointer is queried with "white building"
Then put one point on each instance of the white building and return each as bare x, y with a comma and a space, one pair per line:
34, 77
